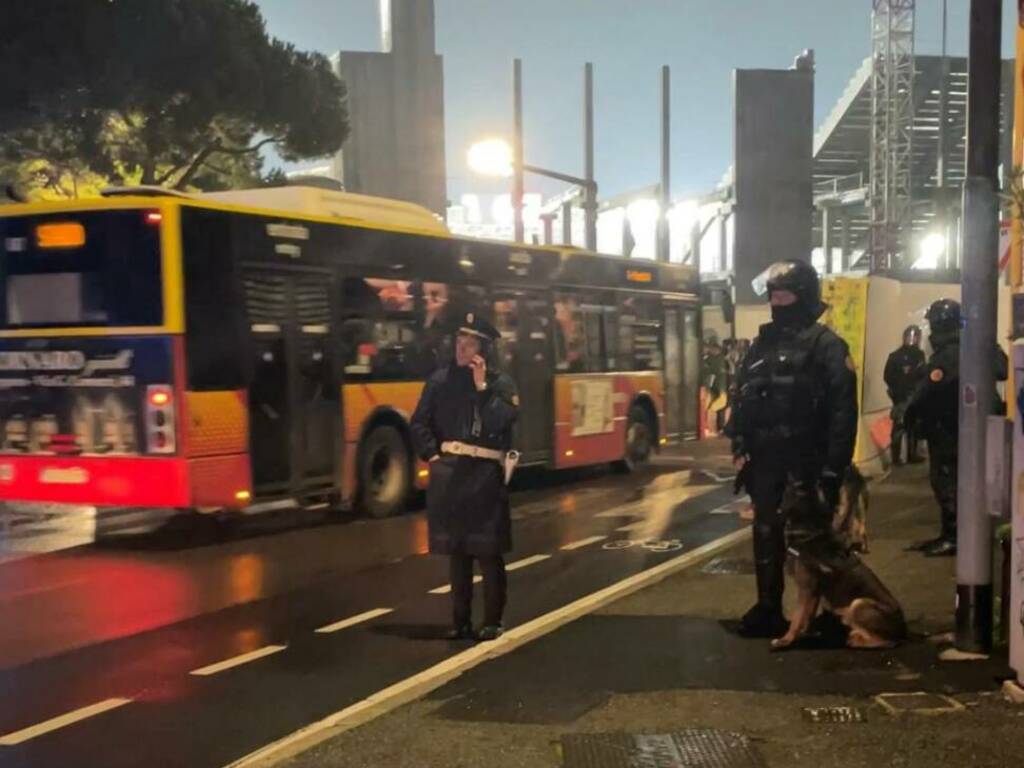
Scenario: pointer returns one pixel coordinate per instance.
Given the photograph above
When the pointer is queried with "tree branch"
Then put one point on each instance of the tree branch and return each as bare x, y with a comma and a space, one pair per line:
249, 150
195, 165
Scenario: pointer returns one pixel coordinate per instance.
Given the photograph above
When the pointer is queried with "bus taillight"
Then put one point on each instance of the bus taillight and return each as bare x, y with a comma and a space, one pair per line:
159, 420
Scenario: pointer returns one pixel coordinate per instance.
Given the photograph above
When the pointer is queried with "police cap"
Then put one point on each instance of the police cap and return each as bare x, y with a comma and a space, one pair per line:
473, 324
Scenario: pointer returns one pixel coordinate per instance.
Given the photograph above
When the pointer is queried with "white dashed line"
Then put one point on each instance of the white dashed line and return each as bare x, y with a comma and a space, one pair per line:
17, 737
448, 587
582, 543
525, 562
236, 661
353, 620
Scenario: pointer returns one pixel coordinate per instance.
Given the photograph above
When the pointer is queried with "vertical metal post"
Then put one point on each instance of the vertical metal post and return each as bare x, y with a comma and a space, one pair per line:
723, 242
940, 176
517, 150
567, 222
844, 248
826, 238
695, 238
590, 188
664, 234
978, 339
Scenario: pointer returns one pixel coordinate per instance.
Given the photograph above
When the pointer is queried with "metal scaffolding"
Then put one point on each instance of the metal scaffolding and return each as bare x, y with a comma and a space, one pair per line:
892, 121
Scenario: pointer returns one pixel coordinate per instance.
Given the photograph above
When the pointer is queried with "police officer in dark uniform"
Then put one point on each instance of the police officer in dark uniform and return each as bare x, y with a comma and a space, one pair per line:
934, 406
463, 427
902, 371
794, 421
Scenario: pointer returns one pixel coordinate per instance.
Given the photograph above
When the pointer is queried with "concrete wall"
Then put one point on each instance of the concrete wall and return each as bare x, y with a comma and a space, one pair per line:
396, 107
773, 154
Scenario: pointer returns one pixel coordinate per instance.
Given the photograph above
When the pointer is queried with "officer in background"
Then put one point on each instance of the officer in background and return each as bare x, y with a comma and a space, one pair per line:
463, 426
794, 420
934, 407
902, 371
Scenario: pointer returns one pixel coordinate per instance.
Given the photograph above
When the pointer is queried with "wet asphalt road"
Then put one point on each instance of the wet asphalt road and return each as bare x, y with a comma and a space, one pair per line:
168, 650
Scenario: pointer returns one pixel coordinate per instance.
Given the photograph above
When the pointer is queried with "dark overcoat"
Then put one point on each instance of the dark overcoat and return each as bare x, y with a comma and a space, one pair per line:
467, 499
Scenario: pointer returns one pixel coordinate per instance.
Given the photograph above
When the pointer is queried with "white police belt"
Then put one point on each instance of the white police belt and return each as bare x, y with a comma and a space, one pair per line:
456, 448
507, 459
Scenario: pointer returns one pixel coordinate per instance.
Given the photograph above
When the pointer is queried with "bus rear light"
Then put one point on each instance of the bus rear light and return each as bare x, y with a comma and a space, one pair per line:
159, 420
153, 217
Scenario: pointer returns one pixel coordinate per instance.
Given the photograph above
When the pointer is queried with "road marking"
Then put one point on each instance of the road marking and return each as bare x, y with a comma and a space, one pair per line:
448, 587
236, 661
353, 620
582, 543
13, 739
526, 561
639, 525
430, 679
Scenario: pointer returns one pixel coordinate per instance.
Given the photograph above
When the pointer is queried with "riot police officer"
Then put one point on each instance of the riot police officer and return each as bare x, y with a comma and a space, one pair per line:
902, 371
934, 406
463, 426
794, 420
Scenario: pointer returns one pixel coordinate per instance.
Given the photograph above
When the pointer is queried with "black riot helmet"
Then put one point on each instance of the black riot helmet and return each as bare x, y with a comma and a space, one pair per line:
944, 316
797, 277
912, 336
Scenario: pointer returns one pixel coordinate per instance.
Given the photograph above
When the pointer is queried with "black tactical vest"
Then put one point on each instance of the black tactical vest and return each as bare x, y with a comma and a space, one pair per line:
781, 399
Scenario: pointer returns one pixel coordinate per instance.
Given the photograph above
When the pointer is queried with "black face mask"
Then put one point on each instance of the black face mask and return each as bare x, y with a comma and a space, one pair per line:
792, 316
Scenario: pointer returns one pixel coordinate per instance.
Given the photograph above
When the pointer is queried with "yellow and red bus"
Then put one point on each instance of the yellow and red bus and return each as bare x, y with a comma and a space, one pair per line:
261, 349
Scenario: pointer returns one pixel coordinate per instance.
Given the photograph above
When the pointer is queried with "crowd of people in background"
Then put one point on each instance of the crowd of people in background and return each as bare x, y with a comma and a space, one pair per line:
719, 363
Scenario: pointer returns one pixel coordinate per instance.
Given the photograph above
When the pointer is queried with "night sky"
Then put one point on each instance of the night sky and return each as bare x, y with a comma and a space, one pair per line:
628, 41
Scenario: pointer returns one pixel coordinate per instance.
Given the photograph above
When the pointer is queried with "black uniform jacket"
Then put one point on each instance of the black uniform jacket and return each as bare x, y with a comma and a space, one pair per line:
796, 401
902, 371
467, 500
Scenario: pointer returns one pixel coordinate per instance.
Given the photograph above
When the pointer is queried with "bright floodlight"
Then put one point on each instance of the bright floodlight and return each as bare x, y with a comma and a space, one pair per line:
491, 157
642, 213
932, 247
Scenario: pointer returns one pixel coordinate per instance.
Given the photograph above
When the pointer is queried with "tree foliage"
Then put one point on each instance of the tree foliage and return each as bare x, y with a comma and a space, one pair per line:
180, 93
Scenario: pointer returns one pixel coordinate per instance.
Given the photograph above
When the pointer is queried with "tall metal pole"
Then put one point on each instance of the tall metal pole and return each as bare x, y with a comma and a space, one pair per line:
517, 150
590, 188
664, 234
943, 198
978, 339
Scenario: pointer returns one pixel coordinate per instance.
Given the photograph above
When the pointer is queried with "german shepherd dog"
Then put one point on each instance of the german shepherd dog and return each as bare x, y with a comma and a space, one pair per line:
822, 562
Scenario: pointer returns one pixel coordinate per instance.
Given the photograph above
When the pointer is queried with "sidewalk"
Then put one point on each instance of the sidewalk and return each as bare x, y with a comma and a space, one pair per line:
661, 661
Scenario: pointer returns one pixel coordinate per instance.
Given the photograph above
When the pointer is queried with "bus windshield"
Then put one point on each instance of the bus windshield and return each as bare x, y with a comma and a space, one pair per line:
98, 268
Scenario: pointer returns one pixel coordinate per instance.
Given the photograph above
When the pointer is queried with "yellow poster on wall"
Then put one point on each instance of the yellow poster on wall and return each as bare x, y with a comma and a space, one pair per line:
847, 299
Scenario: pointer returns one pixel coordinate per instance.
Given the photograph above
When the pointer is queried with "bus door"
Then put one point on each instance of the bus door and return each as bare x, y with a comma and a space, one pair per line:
682, 370
525, 352
293, 401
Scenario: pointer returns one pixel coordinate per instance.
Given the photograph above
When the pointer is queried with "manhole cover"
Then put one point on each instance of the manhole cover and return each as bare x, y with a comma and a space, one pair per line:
691, 748
729, 566
834, 715
918, 703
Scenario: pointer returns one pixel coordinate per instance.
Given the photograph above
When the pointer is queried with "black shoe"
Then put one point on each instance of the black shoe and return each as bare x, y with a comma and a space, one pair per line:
941, 548
463, 632
490, 632
764, 621
921, 546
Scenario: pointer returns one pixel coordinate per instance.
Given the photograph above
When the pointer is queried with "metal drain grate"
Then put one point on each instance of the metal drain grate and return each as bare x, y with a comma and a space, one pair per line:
729, 566
691, 748
832, 715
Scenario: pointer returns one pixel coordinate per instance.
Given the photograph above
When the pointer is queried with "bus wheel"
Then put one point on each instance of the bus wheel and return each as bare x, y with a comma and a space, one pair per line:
384, 473
639, 440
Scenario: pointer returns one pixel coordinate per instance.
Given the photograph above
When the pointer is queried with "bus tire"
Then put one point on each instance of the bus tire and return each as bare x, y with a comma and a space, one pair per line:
640, 437
385, 473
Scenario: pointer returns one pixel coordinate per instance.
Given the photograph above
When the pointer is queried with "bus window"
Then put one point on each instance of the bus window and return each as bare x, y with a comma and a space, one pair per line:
593, 345
568, 334
640, 334
506, 320
379, 328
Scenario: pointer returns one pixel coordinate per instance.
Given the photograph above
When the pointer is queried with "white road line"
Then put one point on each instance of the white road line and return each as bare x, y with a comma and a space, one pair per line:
13, 739
448, 587
526, 561
582, 543
236, 661
430, 679
353, 620
633, 526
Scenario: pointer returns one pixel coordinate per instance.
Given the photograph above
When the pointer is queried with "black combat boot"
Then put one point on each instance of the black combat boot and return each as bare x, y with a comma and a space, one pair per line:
765, 618
945, 545
460, 632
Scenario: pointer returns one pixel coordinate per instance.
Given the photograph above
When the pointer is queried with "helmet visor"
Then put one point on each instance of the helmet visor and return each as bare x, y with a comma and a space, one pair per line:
762, 284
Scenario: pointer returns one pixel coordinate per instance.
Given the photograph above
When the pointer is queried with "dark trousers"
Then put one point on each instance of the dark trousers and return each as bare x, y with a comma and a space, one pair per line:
495, 588
766, 487
942, 466
901, 431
